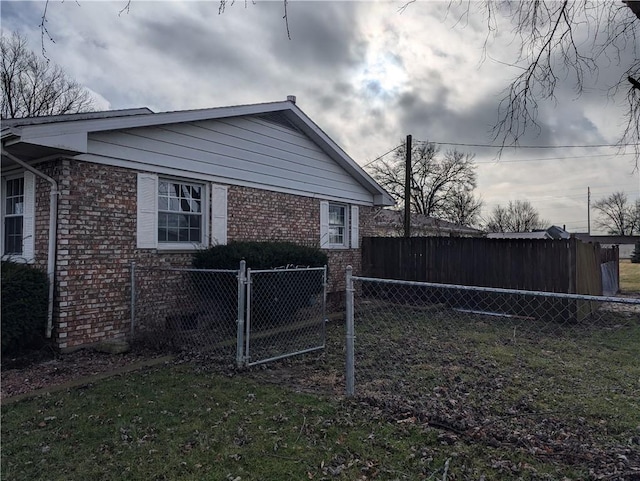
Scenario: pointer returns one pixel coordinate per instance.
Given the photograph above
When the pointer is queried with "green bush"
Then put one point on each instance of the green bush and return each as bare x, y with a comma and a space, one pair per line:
24, 306
259, 255
276, 295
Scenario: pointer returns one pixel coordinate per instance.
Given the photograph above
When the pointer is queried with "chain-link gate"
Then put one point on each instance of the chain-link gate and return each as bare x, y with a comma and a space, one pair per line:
256, 316
285, 313
185, 309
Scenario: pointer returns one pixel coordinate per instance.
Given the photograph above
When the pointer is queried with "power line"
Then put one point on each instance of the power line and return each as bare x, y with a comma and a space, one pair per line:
555, 195
493, 146
520, 146
386, 153
546, 158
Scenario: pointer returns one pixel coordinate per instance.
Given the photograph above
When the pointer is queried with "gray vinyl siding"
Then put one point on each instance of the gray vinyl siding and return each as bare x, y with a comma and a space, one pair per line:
241, 150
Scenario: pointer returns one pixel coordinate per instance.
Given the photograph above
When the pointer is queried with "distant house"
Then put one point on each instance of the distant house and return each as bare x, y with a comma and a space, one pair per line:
553, 232
625, 243
84, 195
390, 223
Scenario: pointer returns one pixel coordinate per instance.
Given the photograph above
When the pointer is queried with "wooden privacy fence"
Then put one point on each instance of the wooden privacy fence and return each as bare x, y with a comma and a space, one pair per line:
562, 266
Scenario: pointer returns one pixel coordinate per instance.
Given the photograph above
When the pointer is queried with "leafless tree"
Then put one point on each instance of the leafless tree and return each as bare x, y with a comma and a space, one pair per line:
32, 87
464, 208
518, 216
441, 184
617, 216
559, 39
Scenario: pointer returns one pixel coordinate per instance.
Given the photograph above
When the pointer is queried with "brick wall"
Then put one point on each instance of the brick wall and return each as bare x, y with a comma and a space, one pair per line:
255, 214
97, 242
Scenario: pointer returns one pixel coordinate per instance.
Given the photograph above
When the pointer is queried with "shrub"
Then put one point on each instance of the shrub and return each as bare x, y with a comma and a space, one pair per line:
635, 257
259, 255
24, 306
276, 295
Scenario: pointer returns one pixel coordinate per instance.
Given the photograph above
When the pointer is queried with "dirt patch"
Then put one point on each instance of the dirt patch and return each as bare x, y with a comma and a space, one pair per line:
39, 370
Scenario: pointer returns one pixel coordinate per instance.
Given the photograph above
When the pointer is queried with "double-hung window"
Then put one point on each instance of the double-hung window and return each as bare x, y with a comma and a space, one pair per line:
13, 216
18, 202
177, 214
339, 226
180, 212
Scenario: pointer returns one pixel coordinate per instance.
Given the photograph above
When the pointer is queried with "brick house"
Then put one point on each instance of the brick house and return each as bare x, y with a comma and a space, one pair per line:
84, 195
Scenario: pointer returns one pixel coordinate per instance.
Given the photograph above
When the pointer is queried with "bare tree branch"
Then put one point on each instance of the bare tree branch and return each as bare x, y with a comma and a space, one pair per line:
33, 87
616, 216
441, 185
518, 216
558, 40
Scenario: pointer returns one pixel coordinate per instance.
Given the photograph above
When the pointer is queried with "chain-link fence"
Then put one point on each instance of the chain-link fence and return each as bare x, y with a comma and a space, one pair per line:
185, 309
285, 314
549, 374
250, 316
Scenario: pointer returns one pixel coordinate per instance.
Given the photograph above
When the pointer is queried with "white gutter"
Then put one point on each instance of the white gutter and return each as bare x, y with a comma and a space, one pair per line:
53, 223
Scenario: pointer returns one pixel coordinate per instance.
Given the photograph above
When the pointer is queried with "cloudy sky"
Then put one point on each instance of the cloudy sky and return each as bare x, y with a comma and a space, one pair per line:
366, 72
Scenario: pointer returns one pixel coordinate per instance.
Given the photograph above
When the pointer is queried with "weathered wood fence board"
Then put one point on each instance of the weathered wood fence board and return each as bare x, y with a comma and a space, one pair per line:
563, 266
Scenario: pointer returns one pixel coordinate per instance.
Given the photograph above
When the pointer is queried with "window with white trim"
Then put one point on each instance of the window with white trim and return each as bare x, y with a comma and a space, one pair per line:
339, 226
18, 203
13, 214
180, 212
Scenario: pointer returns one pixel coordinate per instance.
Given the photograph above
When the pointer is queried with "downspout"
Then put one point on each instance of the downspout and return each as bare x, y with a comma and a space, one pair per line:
53, 223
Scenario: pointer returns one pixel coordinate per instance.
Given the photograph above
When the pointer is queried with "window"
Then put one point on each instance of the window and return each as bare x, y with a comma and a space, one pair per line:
14, 210
339, 226
337, 223
18, 204
179, 212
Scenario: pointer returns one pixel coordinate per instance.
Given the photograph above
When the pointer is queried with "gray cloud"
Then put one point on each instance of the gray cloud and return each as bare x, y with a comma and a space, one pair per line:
365, 73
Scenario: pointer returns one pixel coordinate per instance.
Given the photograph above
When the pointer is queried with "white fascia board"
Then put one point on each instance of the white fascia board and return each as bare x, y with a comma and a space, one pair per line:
150, 120
383, 200
75, 142
73, 135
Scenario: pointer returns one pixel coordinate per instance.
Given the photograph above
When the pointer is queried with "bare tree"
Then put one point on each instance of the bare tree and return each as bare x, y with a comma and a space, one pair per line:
33, 87
617, 216
559, 39
518, 216
441, 184
463, 208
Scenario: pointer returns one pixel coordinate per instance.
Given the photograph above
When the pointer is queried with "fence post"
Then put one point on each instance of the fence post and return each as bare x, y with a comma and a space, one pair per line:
350, 364
616, 258
133, 299
242, 281
247, 337
324, 306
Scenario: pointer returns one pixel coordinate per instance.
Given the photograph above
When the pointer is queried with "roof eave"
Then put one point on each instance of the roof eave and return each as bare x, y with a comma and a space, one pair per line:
75, 128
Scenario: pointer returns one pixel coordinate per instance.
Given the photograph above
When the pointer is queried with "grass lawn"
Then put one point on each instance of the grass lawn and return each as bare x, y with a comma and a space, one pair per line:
629, 277
181, 423
550, 411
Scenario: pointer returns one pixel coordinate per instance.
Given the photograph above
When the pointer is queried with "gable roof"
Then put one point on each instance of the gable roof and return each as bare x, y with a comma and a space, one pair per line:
36, 137
553, 232
420, 224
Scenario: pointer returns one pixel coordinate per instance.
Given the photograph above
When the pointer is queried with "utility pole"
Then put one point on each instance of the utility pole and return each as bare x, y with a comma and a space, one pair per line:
407, 188
589, 210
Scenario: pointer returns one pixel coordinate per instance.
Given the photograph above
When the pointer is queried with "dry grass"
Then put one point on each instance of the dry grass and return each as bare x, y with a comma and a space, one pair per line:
629, 277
